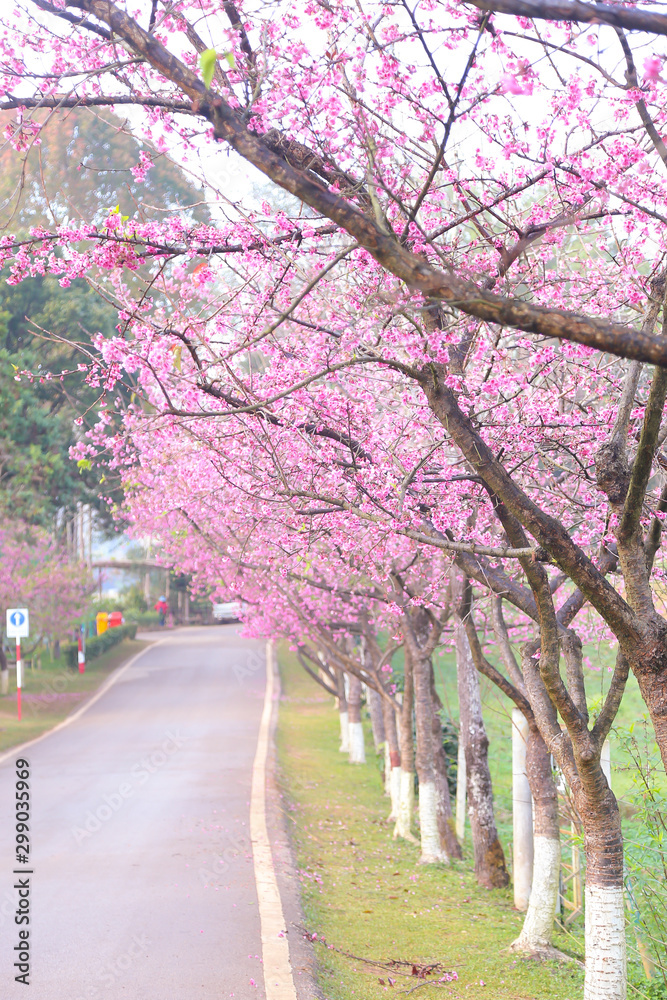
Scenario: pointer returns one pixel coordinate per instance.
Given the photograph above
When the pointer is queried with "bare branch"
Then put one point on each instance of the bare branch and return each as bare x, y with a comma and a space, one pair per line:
632, 18
504, 646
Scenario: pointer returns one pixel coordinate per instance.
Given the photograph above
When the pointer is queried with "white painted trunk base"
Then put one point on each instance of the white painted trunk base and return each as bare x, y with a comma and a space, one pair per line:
537, 932
387, 769
432, 852
395, 792
522, 814
357, 745
344, 732
406, 806
606, 970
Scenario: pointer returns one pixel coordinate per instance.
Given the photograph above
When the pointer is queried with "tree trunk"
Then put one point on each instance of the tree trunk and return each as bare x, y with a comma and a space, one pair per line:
461, 789
431, 848
357, 745
446, 827
537, 933
393, 774
579, 760
406, 802
343, 712
490, 867
606, 970
377, 721
522, 813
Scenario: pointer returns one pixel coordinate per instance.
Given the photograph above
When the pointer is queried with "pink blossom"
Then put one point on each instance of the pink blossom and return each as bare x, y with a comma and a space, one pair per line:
651, 68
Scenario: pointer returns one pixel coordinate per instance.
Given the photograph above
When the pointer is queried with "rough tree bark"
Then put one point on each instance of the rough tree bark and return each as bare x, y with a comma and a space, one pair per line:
377, 718
489, 857
446, 826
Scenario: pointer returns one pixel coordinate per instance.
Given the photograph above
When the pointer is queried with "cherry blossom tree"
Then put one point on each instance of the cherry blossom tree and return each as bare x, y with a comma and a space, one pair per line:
429, 333
36, 574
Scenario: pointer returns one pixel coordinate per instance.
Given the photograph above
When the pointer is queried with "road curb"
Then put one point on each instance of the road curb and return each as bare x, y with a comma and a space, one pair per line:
278, 976
302, 953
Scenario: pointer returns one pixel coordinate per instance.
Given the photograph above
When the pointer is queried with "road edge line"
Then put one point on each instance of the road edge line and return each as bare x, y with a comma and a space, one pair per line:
108, 683
278, 978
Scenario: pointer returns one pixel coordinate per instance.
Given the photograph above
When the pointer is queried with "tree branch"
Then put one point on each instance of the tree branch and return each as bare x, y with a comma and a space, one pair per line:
465, 296
588, 13
549, 532
504, 645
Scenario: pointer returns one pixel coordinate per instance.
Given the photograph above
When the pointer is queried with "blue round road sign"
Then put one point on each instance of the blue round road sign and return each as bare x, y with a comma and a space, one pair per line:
17, 618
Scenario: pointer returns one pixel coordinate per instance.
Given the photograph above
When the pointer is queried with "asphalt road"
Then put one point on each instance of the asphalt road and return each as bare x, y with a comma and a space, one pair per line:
143, 883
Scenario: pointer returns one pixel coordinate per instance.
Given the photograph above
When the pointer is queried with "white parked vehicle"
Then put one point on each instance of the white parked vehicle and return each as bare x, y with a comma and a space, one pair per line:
230, 612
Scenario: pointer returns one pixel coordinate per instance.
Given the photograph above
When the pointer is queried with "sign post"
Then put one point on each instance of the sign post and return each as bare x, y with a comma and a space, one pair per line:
18, 627
82, 649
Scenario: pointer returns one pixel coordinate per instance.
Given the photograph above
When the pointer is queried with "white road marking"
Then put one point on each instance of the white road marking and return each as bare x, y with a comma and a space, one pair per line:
110, 681
278, 980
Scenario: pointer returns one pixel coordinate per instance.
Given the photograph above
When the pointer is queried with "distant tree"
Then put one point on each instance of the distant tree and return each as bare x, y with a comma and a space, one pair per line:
35, 573
38, 480
88, 161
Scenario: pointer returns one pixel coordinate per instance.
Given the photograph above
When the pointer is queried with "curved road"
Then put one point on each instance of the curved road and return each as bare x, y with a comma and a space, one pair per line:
143, 883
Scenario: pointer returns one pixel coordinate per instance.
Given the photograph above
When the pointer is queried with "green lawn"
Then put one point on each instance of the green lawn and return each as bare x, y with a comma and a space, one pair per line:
366, 894
50, 694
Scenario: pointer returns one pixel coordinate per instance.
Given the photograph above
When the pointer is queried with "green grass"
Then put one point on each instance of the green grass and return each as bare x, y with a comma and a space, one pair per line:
49, 695
497, 711
366, 894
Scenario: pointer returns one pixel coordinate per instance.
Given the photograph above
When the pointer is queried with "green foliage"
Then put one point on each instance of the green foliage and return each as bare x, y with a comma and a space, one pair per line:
143, 618
98, 644
207, 61
43, 326
38, 480
645, 837
131, 600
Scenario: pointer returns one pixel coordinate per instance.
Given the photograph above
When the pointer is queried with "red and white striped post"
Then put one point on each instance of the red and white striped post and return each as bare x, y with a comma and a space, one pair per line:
18, 627
81, 655
19, 675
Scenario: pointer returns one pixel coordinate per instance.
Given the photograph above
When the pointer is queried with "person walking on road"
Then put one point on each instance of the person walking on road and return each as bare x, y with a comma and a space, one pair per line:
162, 607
